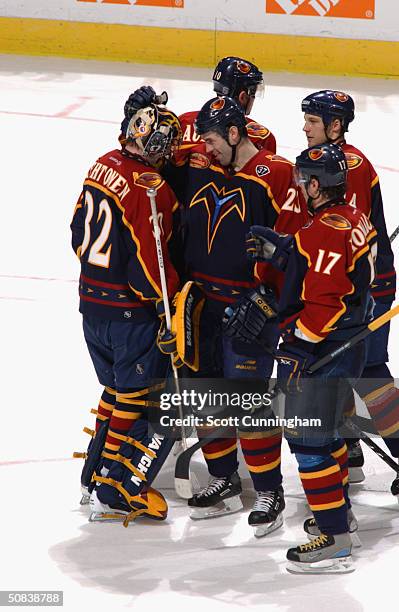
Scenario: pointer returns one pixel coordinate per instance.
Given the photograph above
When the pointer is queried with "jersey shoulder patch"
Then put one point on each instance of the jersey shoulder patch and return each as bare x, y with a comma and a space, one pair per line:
353, 160
147, 180
256, 130
338, 222
199, 160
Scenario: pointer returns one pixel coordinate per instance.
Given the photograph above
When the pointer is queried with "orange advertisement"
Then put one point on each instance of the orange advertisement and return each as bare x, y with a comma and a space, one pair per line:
168, 3
359, 9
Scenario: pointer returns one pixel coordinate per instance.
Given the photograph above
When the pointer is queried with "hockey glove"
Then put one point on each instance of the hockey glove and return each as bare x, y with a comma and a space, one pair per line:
249, 318
293, 360
264, 244
141, 98
167, 344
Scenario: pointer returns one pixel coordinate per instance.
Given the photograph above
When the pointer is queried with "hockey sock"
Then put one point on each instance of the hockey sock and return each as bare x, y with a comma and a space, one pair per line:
339, 451
105, 406
221, 454
262, 454
382, 400
128, 409
322, 482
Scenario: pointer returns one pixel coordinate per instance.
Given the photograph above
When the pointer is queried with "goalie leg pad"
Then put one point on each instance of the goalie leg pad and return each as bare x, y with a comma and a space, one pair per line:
185, 324
93, 458
134, 468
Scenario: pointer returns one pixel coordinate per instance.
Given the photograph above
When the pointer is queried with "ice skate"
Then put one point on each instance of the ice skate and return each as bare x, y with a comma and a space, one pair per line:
355, 463
221, 496
267, 513
311, 528
149, 503
85, 499
326, 554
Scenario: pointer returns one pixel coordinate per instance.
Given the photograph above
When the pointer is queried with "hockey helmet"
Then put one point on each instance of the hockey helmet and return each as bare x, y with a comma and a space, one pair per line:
155, 130
329, 105
326, 162
233, 75
218, 115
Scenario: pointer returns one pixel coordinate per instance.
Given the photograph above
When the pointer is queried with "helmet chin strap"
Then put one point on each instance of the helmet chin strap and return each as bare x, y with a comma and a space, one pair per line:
233, 150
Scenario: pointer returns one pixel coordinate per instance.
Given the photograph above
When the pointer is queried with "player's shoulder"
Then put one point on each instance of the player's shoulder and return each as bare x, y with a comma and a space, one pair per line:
266, 163
188, 118
256, 130
112, 158
355, 158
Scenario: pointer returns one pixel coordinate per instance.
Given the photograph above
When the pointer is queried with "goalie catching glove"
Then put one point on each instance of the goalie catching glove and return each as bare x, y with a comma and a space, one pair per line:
250, 318
182, 341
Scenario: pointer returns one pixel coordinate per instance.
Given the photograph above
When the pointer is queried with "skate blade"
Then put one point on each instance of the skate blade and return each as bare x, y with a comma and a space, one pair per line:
260, 531
341, 565
228, 506
356, 475
107, 517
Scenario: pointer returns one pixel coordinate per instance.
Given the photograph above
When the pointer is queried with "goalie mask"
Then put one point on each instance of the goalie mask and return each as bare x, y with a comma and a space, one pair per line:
154, 130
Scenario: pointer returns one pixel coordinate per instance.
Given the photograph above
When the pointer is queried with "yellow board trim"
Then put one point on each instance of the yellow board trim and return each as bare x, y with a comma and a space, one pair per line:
202, 48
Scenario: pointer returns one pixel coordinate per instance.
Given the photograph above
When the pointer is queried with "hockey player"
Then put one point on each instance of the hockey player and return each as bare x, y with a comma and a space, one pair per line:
329, 267
327, 117
226, 188
120, 299
241, 80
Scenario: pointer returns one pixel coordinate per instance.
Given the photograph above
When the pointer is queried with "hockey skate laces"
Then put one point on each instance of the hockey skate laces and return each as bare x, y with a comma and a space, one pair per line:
319, 541
213, 486
264, 501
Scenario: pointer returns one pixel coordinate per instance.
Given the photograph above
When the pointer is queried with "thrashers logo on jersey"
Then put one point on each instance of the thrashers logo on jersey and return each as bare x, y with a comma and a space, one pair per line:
219, 203
336, 221
199, 160
147, 180
255, 130
353, 160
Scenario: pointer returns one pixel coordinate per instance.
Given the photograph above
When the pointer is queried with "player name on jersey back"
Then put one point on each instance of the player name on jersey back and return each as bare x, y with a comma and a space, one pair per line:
109, 178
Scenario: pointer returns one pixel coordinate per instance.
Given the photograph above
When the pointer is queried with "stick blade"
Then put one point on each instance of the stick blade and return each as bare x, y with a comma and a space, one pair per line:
183, 488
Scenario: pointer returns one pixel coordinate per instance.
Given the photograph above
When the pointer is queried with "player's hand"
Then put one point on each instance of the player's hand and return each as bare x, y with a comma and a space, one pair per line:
140, 98
293, 360
249, 317
264, 244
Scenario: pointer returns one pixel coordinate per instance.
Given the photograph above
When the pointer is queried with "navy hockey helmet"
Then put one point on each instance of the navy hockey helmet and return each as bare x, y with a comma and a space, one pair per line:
326, 162
218, 115
329, 105
233, 75
155, 130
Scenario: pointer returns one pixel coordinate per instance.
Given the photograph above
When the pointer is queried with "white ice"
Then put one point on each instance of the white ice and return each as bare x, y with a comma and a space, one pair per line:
56, 117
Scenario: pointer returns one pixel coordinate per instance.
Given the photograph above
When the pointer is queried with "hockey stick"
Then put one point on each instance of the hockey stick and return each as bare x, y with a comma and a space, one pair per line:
394, 234
376, 324
182, 468
185, 489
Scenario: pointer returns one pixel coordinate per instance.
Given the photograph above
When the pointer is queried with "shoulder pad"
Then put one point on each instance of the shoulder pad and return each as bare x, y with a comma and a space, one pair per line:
147, 180
338, 222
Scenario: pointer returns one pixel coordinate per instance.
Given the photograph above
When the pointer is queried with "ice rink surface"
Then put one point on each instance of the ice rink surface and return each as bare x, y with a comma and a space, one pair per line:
56, 117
